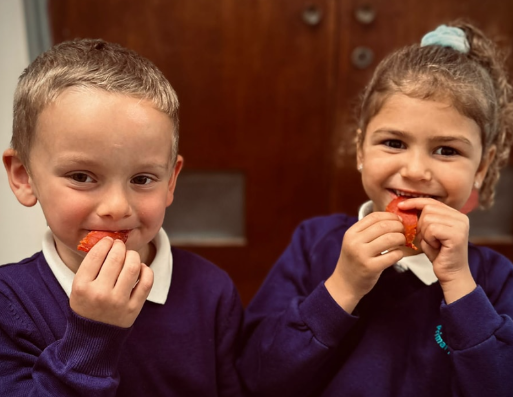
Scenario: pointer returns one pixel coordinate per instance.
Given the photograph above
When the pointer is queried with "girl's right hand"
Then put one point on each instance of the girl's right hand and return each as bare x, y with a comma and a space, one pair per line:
369, 247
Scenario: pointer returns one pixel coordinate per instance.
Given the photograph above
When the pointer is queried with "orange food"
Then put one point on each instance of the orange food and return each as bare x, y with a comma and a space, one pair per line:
94, 236
409, 220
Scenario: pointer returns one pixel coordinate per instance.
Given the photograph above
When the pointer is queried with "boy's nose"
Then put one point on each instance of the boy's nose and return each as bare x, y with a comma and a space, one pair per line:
114, 204
416, 167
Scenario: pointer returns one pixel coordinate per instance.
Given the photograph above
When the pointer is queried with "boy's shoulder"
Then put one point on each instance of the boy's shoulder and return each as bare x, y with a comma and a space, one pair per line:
29, 279
193, 268
23, 269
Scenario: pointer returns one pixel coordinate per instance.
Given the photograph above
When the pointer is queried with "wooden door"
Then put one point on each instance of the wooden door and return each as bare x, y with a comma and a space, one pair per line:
265, 88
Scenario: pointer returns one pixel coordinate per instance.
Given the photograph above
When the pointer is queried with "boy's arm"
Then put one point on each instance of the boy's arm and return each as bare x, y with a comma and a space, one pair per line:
82, 363
293, 326
228, 328
108, 292
479, 332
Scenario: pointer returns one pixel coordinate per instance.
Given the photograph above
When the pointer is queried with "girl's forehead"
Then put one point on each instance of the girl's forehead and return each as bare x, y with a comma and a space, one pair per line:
422, 118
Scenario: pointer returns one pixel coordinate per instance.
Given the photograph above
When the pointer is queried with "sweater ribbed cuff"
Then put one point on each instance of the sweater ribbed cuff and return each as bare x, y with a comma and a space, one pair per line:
327, 320
92, 347
470, 320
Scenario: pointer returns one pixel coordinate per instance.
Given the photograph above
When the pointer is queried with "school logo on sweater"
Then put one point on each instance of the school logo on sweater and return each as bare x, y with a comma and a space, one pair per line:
439, 340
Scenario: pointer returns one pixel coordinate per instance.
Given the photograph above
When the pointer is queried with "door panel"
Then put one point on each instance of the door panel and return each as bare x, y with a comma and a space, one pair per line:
254, 82
266, 89
399, 23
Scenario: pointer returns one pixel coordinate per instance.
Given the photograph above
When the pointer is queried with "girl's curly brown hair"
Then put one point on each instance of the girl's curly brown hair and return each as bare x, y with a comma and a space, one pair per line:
476, 84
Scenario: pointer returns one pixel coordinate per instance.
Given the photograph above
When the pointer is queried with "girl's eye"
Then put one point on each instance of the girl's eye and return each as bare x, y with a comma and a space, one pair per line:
81, 177
141, 180
446, 151
394, 144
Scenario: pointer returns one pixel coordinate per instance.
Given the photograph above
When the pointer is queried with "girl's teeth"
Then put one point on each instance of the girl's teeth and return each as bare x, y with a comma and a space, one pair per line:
404, 194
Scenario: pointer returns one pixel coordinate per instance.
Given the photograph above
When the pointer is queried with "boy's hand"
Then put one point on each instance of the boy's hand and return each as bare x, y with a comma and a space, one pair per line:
361, 261
443, 235
111, 284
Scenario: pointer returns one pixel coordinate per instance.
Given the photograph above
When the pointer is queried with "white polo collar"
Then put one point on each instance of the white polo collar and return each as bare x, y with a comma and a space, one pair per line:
162, 266
419, 264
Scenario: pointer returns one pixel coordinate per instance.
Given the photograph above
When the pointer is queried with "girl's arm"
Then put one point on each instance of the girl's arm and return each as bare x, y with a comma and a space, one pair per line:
481, 343
294, 327
477, 316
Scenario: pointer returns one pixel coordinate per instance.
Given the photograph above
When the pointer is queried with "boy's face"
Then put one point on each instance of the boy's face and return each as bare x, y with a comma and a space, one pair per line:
101, 161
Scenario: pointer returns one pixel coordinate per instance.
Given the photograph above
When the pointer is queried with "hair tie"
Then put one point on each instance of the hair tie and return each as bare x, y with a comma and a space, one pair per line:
447, 36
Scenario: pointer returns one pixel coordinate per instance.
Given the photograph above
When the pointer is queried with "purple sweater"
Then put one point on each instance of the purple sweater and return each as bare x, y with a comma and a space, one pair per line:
185, 347
402, 339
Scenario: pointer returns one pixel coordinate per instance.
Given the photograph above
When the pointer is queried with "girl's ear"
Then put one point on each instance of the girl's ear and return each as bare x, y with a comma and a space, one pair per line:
172, 180
485, 163
359, 149
19, 178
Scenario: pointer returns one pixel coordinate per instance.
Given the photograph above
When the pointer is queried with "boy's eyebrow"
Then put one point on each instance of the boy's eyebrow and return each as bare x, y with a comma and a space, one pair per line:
86, 161
436, 138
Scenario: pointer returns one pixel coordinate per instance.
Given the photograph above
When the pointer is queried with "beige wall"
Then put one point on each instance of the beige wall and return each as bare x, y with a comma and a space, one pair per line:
21, 228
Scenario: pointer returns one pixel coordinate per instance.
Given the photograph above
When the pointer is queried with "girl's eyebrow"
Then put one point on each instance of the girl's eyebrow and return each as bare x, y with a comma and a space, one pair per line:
452, 138
436, 138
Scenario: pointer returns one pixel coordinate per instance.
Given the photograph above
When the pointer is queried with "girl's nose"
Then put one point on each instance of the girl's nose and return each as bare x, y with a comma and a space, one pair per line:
114, 204
416, 167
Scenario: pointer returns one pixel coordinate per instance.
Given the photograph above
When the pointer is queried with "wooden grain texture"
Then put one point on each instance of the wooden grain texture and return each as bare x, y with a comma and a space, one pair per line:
268, 95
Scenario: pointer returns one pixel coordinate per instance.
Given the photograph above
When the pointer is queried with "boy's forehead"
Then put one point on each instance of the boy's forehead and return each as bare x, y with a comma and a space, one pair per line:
79, 110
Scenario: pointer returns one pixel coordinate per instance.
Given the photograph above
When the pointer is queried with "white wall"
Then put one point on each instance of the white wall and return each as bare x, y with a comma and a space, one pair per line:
21, 228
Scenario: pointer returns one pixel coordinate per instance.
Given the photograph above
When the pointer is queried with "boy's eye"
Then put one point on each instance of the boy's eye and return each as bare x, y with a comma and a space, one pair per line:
394, 144
141, 180
81, 177
446, 151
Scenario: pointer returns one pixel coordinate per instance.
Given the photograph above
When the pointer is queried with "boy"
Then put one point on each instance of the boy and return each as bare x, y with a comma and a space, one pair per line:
95, 138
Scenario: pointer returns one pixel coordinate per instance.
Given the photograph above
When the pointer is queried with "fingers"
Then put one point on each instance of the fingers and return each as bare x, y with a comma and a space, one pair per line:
93, 261
129, 274
113, 264
385, 232
376, 233
141, 291
374, 218
387, 242
418, 203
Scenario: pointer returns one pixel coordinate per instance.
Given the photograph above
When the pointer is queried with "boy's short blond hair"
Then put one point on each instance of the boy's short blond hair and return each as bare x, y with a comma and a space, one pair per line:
87, 63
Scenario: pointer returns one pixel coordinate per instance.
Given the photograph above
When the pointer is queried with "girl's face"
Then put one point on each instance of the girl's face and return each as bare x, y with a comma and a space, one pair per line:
416, 147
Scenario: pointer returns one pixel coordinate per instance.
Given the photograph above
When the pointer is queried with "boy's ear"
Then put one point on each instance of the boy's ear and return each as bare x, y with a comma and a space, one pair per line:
19, 178
172, 181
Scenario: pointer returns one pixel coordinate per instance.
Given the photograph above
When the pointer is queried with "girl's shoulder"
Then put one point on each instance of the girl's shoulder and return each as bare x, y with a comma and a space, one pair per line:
492, 270
322, 231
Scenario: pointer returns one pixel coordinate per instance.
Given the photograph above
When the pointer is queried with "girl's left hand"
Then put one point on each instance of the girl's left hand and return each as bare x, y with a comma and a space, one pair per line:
442, 233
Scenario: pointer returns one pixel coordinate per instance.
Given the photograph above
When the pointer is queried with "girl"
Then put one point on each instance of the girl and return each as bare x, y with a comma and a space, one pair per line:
349, 310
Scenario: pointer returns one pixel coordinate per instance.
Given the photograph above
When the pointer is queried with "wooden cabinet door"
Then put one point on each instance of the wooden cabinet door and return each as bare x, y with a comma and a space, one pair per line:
254, 79
266, 90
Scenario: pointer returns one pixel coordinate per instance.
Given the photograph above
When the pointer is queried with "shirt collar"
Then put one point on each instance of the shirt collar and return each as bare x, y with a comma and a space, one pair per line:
162, 266
419, 264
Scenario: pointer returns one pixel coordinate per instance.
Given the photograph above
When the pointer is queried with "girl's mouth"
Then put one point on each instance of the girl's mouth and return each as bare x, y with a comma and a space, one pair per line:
403, 193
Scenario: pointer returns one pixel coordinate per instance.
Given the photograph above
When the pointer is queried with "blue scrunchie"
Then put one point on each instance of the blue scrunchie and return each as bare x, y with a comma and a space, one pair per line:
447, 36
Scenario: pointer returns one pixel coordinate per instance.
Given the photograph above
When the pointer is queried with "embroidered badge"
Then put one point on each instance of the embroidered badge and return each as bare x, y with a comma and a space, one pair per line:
439, 340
